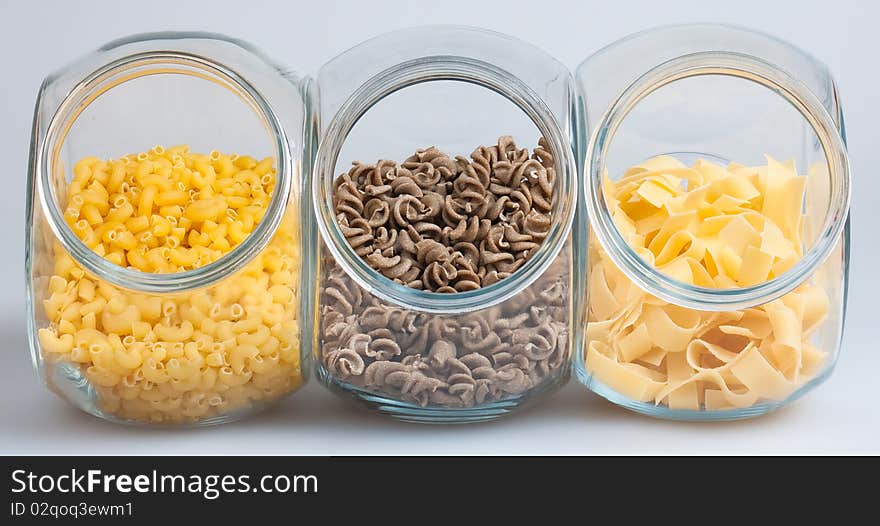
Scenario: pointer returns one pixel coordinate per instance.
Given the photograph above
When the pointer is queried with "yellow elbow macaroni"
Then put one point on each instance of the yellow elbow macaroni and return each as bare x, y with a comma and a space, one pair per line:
189, 356
715, 227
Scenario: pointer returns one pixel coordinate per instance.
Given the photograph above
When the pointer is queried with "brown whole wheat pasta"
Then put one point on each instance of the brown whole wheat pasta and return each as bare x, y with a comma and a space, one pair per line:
447, 225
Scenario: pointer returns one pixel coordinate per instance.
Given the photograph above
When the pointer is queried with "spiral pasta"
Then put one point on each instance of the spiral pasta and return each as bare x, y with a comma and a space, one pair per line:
181, 357
717, 227
448, 225
446, 360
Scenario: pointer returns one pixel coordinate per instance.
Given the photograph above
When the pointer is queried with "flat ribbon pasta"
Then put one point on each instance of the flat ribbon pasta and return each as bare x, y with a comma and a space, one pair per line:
716, 227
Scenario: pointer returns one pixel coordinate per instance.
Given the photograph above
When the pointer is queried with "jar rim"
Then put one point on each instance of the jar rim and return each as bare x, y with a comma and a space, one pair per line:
749, 68
430, 69
115, 73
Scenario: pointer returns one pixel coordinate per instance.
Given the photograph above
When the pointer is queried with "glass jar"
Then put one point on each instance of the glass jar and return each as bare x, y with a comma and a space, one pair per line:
130, 337
717, 277
415, 353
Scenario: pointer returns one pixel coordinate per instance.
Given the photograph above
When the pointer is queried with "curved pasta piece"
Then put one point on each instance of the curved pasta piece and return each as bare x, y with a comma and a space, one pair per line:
672, 328
628, 379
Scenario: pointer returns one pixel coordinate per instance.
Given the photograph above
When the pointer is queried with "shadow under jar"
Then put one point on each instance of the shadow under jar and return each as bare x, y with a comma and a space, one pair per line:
718, 187
445, 283
164, 230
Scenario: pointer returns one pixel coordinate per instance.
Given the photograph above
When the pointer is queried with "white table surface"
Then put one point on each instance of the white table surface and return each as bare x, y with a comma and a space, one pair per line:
840, 417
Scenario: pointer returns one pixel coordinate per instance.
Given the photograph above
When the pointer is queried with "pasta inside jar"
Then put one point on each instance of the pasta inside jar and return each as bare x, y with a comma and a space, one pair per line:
711, 226
188, 356
447, 225
445, 279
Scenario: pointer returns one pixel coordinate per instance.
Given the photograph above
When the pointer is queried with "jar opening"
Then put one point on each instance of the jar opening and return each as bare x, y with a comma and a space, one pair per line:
441, 69
753, 76
178, 82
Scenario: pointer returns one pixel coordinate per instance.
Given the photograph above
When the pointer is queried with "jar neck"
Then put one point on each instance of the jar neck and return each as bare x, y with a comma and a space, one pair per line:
114, 74
746, 67
429, 69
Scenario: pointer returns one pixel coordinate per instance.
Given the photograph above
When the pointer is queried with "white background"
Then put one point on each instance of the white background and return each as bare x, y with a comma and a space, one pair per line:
841, 416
